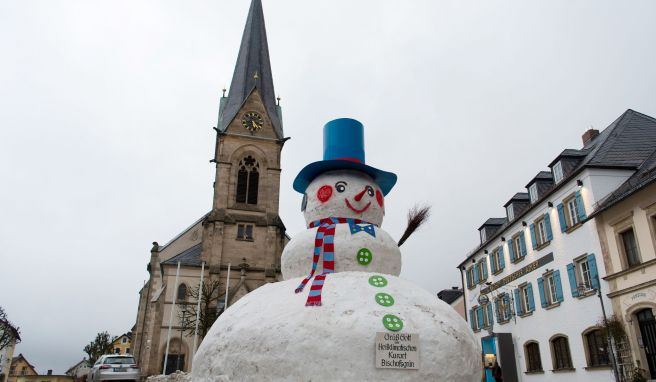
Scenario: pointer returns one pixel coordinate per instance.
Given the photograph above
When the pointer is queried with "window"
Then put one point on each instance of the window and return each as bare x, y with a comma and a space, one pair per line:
483, 237
571, 211
117, 351
551, 291
533, 362
541, 233
557, 170
482, 269
480, 316
517, 248
597, 347
245, 232
497, 261
502, 307
125, 339
630, 247
561, 356
127, 351
524, 302
533, 192
583, 275
248, 178
510, 212
182, 292
470, 277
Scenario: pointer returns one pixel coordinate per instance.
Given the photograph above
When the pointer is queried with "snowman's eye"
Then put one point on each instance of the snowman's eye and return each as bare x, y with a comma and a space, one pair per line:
340, 186
370, 191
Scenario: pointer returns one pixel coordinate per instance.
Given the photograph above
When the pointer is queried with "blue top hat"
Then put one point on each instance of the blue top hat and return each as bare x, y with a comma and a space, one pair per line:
343, 149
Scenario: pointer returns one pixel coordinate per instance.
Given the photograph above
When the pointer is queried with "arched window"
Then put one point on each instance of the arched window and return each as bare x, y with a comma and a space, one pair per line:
182, 292
597, 345
561, 355
533, 361
248, 178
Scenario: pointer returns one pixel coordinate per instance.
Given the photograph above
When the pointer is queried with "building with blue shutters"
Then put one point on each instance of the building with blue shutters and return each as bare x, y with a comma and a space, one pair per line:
531, 284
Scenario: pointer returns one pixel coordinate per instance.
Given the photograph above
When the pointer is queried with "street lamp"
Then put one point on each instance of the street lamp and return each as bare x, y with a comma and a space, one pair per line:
582, 289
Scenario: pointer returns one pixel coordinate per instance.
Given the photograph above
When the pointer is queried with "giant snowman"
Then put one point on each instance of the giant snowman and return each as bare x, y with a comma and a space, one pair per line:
341, 294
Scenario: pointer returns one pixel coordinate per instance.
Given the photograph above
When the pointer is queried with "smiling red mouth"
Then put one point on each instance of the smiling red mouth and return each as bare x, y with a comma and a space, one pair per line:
357, 211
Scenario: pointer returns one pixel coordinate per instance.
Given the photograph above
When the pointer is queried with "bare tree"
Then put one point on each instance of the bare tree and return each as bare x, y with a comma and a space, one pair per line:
8, 333
209, 299
99, 346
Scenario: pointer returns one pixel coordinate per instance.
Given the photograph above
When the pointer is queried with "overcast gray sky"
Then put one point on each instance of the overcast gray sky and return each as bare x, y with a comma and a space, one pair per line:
107, 109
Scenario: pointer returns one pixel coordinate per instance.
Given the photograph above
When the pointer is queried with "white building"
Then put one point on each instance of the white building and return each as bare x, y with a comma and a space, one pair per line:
530, 285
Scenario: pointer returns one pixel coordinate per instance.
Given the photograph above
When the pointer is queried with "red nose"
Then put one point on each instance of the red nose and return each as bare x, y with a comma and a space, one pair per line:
359, 196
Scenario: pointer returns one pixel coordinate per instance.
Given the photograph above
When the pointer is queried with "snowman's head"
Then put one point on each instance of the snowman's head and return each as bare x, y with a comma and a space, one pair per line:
344, 194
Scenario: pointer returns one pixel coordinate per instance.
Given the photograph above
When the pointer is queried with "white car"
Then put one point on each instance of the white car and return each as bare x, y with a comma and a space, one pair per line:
114, 367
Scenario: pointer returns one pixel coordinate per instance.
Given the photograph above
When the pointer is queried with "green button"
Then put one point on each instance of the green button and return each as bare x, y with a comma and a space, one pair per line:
377, 281
384, 299
364, 256
393, 323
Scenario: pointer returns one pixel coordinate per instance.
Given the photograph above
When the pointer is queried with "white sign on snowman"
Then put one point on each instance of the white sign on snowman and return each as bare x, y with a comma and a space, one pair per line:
340, 288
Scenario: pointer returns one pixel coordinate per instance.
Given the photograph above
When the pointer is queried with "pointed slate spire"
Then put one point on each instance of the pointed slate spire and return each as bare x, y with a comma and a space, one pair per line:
253, 70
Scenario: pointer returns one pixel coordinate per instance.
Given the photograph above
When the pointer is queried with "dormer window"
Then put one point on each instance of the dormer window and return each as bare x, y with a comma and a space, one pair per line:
483, 236
533, 192
510, 212
558, 172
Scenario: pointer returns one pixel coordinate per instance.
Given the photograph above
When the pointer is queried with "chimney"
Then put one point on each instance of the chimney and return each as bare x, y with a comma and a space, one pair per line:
49, 371
589, 135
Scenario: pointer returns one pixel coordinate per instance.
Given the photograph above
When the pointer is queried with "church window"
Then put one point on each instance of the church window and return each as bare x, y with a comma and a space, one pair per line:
182, 292
245, 231
248, 178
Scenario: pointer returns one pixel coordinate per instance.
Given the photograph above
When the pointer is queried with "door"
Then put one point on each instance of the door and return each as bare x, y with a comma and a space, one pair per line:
173, 363
648, 332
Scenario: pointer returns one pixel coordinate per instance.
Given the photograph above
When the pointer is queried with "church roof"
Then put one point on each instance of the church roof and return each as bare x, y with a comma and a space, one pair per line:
253, 70
188, 257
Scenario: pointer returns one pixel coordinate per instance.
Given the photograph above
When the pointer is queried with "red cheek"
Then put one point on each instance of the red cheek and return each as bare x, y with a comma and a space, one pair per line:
324, 193
379, 198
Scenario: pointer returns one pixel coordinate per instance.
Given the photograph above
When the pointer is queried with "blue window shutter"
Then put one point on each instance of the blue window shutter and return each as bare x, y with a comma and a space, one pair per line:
522, 243
533, 240
506, 302
479, 315
531, 302
497, 310
518, 302
543, 299
559, 287
580, 206
561, 218
502, 261
547, 226
469, 281
571, 273
493, 264
510, 251
484, 268
490, 316
476, 276
594, 275
472, 319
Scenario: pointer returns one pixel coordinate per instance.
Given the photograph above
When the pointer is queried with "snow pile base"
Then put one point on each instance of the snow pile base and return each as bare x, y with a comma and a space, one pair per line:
178, 376
270, 335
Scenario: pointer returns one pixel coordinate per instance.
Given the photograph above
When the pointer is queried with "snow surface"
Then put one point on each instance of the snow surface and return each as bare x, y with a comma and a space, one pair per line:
270, 335
386, 257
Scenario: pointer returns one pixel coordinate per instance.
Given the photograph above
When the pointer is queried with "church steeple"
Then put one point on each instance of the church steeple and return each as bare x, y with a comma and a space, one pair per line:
253, 70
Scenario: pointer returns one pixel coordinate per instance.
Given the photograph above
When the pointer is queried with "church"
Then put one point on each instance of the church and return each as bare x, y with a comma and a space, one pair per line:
238, 243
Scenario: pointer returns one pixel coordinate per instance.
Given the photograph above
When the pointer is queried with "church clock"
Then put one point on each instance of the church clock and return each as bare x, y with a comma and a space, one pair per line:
252, 121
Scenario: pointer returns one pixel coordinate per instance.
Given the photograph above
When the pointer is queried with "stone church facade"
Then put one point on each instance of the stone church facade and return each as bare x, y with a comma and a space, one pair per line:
243, 228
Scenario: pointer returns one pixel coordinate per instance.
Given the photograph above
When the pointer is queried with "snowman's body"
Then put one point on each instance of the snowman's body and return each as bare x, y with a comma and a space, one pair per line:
271, 335
353, 252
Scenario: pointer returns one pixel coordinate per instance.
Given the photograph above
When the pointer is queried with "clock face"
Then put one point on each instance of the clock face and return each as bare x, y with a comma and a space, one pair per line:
252, 121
